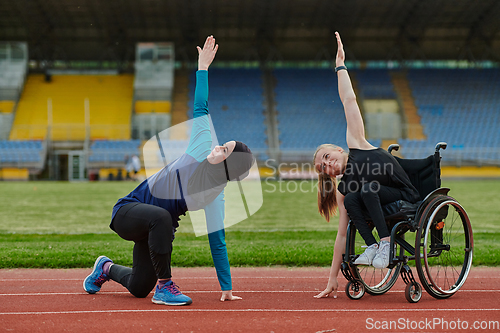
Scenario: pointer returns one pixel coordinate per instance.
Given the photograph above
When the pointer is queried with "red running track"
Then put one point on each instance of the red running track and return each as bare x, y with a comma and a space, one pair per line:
274, 300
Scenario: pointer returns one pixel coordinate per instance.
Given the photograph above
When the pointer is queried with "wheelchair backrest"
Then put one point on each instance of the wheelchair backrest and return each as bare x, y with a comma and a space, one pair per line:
424, 174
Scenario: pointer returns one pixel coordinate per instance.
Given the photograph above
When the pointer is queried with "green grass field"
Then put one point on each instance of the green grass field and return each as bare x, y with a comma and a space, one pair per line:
63, 225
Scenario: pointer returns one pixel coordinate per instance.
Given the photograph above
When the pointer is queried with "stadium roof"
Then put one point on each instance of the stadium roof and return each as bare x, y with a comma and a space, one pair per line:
256, 29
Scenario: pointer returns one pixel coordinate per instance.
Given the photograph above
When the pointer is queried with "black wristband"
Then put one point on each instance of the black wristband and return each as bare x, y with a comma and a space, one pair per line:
340, 68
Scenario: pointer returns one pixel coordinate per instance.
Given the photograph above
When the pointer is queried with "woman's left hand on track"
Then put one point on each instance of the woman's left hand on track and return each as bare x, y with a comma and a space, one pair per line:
228, 295
331, 289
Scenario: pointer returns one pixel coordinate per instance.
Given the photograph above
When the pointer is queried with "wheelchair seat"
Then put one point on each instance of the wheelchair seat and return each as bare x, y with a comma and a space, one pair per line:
399, 209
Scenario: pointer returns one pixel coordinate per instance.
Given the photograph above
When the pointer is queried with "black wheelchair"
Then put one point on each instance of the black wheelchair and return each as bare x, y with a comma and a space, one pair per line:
440, 230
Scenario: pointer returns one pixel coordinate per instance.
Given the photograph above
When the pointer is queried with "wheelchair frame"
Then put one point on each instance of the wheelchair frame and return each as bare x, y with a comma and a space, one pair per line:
429, 222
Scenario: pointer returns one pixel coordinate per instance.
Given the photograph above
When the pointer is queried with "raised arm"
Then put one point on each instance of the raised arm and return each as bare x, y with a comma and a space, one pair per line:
201, 138
205, 57
355, 127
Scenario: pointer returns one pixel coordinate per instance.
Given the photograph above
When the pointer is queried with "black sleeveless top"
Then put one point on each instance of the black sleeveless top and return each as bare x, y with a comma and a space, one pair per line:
375, 165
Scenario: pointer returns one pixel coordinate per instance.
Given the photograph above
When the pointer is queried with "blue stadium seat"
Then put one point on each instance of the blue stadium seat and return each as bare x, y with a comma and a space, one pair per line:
309, 109
459, 106
375, 83
113, 150
20, 151
236, 105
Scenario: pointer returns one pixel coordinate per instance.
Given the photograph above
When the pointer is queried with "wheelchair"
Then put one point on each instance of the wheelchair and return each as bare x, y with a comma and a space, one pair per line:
439, 229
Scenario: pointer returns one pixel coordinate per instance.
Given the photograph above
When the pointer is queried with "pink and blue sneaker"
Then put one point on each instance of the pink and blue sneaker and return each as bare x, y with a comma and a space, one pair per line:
94, 281
170, 294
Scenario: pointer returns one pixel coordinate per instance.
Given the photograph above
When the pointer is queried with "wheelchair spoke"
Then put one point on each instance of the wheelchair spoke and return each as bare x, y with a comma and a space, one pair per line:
375, 281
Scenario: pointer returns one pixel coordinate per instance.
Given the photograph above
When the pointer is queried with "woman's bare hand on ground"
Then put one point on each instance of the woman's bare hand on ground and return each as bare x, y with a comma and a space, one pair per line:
228, 295
331, 289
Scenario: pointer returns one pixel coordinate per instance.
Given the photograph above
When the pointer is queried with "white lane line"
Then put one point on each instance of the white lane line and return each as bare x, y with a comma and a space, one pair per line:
185, 278
238, 310
215, 291
215, 278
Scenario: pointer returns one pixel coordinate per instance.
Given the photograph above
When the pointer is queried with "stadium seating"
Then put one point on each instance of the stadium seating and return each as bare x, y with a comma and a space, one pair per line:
21, 152
103, 152
110, 105
461, 107
236, 106
374, 83
152, 106
310, 112
7, 106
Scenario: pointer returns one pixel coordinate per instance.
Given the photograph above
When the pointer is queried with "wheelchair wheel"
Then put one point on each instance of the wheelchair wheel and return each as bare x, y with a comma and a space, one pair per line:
354, 290
376, 281
413, 292
443, 247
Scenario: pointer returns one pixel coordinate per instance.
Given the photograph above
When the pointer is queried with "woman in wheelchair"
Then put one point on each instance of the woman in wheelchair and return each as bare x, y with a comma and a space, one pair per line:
371, 178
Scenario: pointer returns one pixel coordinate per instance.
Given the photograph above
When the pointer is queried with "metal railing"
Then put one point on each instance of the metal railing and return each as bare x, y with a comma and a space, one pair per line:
70, 132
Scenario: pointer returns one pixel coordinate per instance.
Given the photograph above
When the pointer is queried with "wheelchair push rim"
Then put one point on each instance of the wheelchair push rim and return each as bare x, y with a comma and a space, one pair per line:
447, 247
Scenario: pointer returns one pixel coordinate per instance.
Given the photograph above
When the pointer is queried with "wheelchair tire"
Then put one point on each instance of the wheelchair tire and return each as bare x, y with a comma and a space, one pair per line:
413, 292
443, 247
354, 290
376, 281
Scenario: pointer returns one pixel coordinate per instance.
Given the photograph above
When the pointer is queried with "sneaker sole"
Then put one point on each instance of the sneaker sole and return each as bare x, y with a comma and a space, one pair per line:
380, 267
168, 303
93, 270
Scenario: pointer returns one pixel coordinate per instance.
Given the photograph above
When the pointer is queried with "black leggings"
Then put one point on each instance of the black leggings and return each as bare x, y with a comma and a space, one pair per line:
150, 227
371, 198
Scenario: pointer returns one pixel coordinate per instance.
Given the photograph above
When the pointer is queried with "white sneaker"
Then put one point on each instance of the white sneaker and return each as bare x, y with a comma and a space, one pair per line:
366, 257
381, 259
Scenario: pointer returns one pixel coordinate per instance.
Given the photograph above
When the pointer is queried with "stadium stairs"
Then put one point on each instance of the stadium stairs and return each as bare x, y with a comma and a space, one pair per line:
6, 117
414, 127
180, 104
271, 120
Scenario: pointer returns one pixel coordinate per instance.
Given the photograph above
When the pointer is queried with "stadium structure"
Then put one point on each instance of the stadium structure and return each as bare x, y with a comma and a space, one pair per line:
83, 84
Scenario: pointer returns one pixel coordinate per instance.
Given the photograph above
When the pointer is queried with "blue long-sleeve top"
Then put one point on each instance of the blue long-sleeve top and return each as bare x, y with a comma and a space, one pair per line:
166, 188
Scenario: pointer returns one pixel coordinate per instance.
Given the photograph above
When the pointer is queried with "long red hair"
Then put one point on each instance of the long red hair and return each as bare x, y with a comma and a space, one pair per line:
327, 189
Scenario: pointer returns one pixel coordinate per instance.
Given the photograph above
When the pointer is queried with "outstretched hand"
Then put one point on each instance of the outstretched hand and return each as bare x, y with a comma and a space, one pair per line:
207, 54
331, 289
340, 51
228, 295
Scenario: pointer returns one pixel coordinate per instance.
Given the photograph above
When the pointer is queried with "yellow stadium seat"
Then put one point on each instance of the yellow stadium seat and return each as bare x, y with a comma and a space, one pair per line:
7, 106
14, 174
110, 106
104, 173
152, 106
